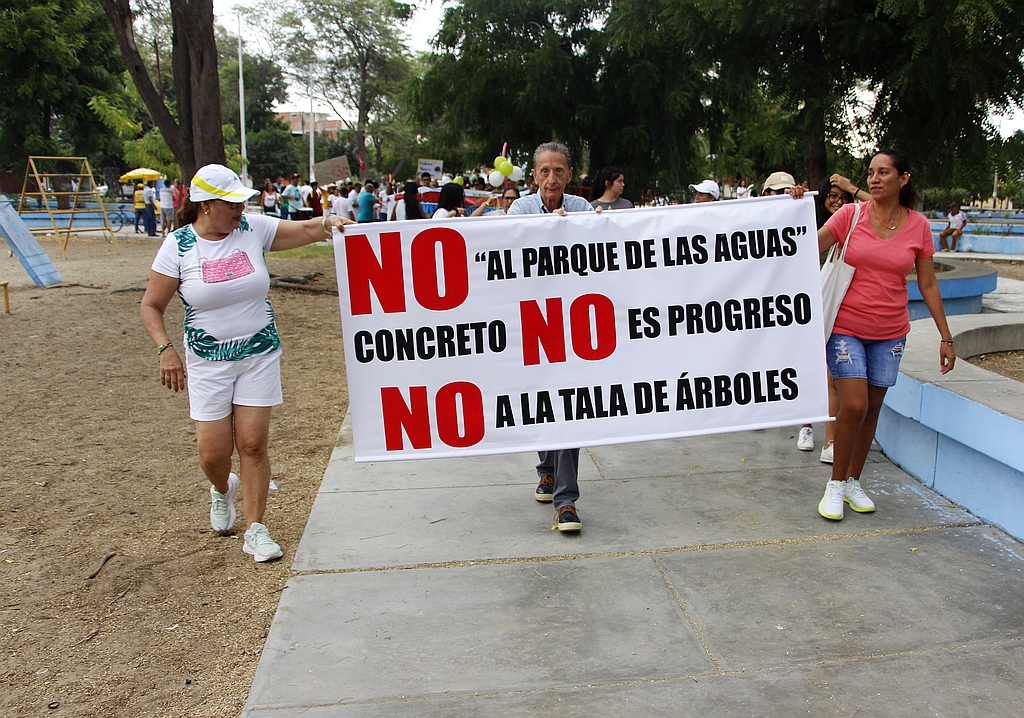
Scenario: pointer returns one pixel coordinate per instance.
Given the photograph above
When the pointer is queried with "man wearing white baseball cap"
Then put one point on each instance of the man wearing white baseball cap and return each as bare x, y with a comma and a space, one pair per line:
214, 261
707, 191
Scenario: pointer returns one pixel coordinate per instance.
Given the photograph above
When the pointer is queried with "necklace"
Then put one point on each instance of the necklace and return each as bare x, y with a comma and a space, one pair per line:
899, 216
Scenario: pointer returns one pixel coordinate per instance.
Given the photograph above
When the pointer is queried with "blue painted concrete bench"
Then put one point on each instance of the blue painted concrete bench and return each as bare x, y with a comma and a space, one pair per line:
961, 287
961, 434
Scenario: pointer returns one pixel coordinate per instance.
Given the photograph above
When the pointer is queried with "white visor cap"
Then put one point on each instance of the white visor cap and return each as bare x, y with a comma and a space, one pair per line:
218, 182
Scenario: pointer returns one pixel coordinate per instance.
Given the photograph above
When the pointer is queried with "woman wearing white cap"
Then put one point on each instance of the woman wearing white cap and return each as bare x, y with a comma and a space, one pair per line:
214, 261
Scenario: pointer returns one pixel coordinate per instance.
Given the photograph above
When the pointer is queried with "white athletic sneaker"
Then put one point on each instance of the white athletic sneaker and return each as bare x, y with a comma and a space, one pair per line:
831, 504
854, 495
826, 453
805, 441
222, 506
259, 545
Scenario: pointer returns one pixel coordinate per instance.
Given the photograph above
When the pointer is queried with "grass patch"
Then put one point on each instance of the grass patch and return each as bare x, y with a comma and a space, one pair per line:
310, 251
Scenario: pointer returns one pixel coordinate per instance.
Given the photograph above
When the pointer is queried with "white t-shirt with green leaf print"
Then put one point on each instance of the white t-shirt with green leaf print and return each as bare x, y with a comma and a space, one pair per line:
224, 286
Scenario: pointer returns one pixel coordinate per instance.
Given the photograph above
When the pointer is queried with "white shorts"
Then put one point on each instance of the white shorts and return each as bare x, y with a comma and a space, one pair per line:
215, 386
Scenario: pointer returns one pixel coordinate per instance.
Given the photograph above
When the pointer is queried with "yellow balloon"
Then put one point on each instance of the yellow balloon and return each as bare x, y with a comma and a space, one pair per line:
460, 181
506, 168
498, 160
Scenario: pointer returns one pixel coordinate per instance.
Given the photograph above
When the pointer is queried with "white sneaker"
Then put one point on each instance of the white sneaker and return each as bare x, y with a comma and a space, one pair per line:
854, 495
259, 545
826, 453
805, 441
831, 504
222, 506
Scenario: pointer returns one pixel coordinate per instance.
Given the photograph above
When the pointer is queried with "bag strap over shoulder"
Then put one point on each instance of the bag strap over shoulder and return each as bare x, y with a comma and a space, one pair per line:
853, 226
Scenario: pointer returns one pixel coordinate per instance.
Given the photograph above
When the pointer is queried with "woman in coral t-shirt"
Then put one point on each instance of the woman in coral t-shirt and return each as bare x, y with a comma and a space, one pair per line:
870, 332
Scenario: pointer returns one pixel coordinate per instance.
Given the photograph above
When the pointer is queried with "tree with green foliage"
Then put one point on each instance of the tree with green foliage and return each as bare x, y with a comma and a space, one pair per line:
670, 88
272, 153
189, 117
349, 54
933, 70
613, 86
58, 56
265, 85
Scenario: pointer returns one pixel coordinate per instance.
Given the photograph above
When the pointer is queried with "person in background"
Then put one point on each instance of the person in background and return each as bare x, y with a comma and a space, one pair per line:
333, 199
831, 198
215, 263
606, 191
425, 179
391, 201
779, 183
409, 206
382, 202
776, 184
707, 191
269, 198
305, 189
450, 201
509, 195
149, 215
558, 470
869, 338
742, 192
291, 199
954, 228
349, 203
139, 205
166, 209
367, 202
180, 191
314, 199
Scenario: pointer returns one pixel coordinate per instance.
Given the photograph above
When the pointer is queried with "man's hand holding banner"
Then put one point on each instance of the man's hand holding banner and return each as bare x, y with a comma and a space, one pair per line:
499, 335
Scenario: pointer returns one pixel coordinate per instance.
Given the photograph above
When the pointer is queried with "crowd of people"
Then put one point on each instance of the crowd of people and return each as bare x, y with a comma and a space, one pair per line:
231, 353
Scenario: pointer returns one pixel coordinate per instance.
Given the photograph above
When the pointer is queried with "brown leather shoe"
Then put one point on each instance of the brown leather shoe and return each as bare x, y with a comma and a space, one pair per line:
567, 519
545, 489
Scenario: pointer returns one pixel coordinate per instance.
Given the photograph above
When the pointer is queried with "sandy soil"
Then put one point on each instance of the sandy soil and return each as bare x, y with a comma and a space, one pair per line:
1008, 364
98, 458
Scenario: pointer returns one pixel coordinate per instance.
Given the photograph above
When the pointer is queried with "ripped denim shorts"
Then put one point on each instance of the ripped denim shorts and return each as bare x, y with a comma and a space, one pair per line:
877, 360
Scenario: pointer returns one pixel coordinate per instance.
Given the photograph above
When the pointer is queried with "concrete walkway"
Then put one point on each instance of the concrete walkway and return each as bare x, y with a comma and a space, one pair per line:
704, 583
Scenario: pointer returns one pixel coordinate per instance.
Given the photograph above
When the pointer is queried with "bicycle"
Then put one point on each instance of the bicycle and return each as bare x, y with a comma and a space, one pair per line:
121, 218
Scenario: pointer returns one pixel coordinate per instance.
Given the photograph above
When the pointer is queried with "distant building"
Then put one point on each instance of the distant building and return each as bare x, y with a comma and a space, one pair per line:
298, 123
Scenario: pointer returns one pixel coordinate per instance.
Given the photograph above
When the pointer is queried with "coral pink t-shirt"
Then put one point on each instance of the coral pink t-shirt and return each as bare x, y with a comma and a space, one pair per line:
875, 305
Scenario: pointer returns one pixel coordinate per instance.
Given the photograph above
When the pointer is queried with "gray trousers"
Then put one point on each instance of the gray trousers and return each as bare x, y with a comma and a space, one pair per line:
564, 465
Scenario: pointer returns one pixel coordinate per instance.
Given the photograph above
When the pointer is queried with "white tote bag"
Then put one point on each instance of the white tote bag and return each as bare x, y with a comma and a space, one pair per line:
836, 276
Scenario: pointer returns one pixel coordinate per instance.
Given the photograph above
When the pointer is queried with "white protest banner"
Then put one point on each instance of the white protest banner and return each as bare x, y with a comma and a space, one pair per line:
497, 335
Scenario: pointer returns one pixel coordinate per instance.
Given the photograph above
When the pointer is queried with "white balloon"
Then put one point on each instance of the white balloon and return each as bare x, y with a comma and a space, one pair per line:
517, 174
496, 178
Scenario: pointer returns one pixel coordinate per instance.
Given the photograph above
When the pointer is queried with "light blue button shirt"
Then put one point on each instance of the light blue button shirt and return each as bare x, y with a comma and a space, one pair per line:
532, 204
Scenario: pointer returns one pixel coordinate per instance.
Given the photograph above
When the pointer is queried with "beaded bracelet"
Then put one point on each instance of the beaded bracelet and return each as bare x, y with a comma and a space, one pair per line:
160, 349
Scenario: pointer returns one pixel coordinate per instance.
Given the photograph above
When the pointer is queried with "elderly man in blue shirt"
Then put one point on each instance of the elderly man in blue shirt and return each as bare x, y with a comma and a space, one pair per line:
558, 470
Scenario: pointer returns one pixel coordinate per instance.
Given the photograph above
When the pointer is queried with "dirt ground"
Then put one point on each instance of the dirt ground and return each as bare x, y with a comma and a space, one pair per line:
1008, 364
99, 458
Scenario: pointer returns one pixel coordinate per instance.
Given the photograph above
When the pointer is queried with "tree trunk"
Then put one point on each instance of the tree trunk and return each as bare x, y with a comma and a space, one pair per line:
362, 118
816, 160
816, 103
401, 163
195, 137
195, 17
